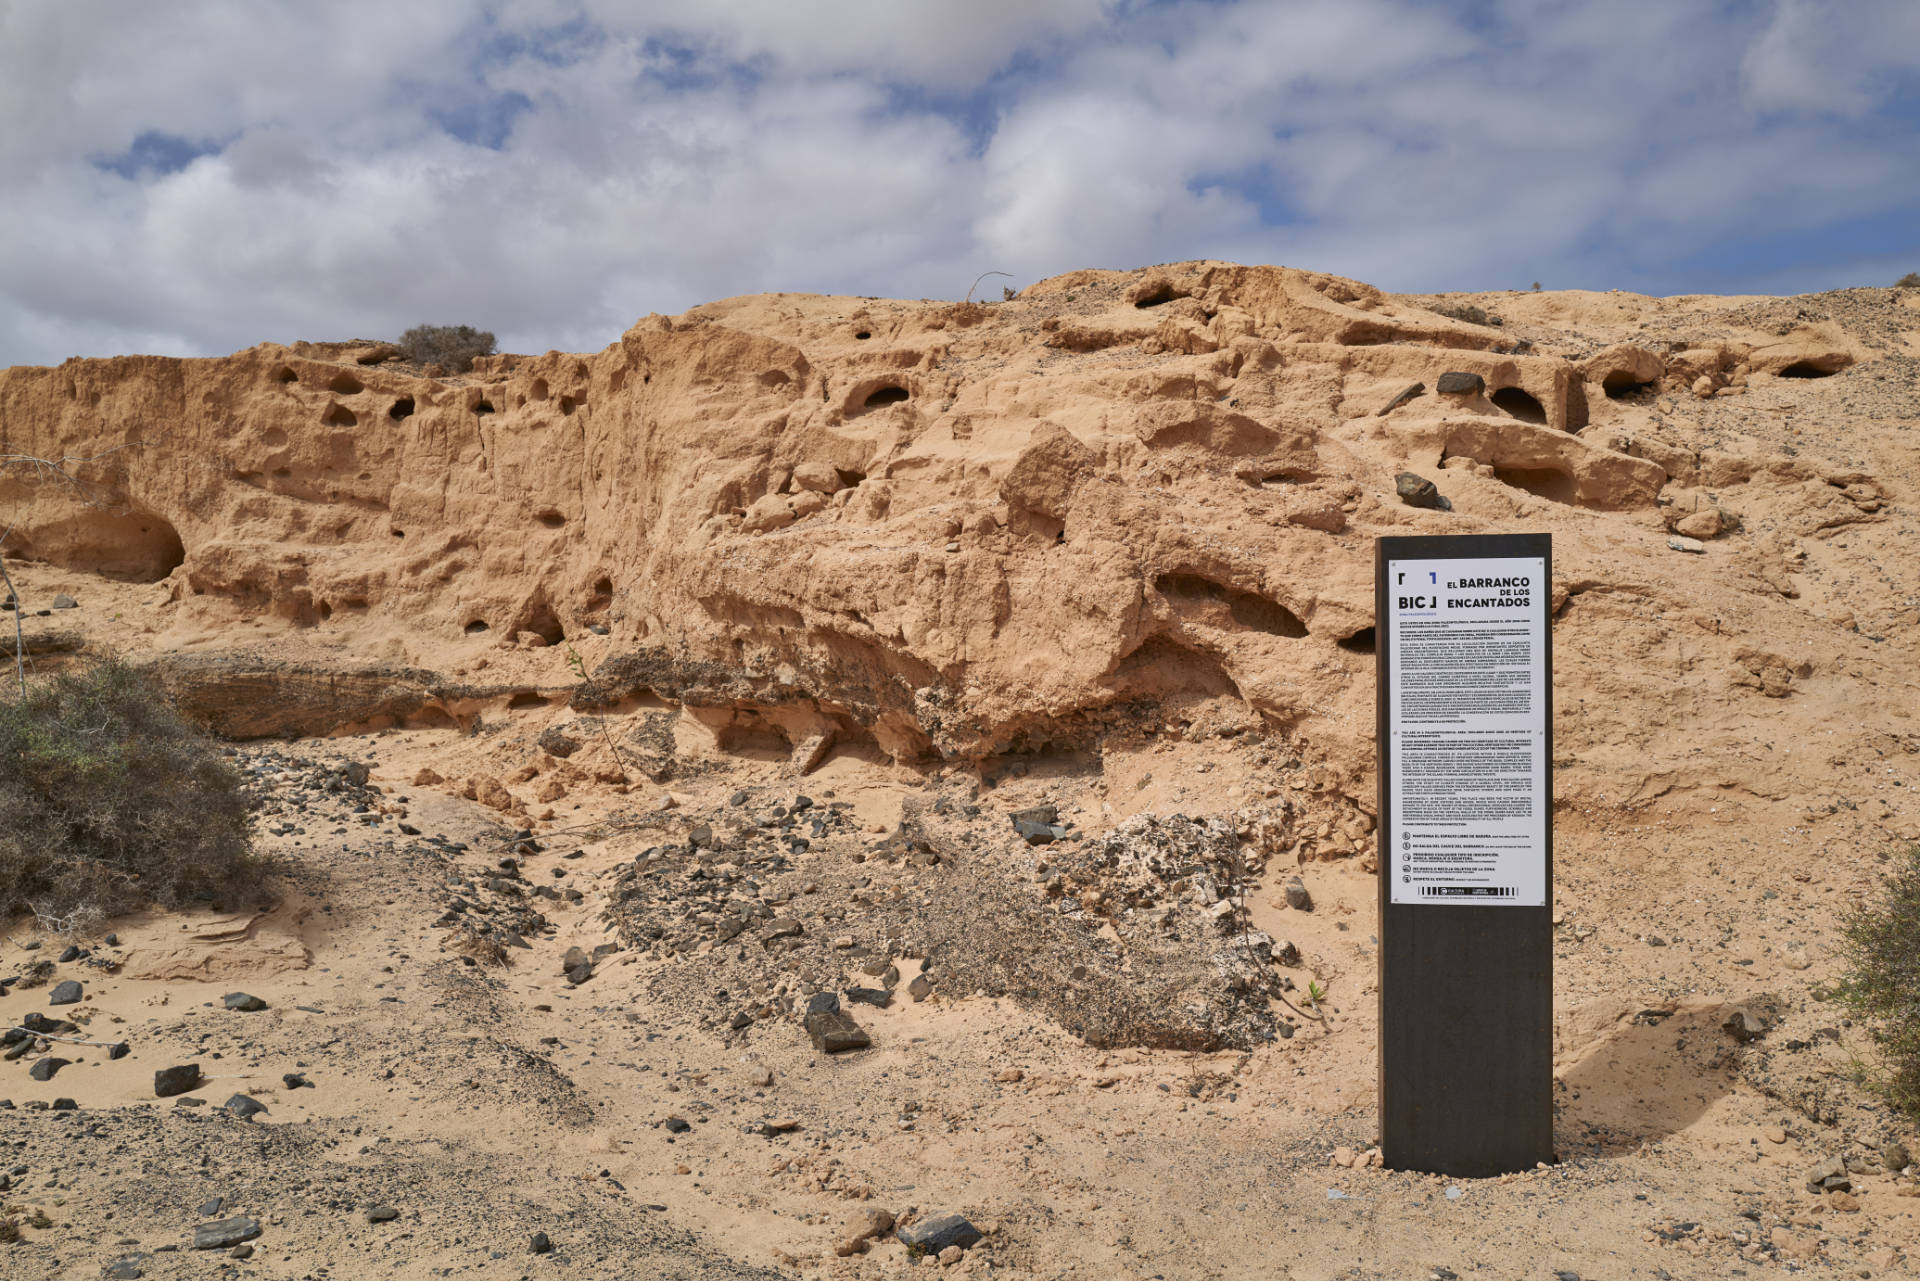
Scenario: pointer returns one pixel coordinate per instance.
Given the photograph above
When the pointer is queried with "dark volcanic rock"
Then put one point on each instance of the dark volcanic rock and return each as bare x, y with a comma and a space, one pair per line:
168, 1082
245, 1002
834, 1032
244, 1106
1418, 491
226, 1232
936, 1232
65, 993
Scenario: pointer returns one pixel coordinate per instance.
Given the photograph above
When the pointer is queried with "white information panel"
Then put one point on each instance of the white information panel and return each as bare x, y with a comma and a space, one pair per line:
1467, 705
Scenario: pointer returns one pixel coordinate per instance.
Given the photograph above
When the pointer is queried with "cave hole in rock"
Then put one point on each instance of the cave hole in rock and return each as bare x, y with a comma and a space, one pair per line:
884, 397
398, 533
1159, 294
402, 408
1519, 404
1163, 668
538, 391
1807, 369
551, 519
282, 473
1542, 482
155, 550
1361, 642
617, 379
1621, 385
482, 407
340, 416
286, 375
848, 479
602, 595
544, 623
864, 334
754, 738
775, 378
568, 404
525, 698
475, 627
128, 546
1246, 609
324, 610
345, 385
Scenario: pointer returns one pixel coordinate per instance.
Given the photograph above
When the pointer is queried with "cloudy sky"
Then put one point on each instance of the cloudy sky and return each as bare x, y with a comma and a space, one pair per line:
192, 178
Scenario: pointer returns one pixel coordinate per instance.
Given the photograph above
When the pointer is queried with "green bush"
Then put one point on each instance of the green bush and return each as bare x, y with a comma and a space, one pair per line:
1882, 980
1909, 281
454, 346
108, 800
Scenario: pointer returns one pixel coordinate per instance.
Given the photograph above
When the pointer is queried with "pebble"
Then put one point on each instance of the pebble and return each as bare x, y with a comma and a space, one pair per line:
540, 1244
65, 993
1297, 897
1829, 1175
245, 1002
382, 1214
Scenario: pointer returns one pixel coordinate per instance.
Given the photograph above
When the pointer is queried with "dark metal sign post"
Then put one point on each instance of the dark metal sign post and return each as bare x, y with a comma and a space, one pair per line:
1465, 741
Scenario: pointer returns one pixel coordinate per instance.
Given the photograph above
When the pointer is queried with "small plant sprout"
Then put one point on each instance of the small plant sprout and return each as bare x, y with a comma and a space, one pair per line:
579, 668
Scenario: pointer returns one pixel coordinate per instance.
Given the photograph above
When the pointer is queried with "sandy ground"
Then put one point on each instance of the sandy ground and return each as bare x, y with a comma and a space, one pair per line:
488, 1102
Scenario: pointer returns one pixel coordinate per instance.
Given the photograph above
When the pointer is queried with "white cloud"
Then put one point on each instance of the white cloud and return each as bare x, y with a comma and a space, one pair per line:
1837, 56
600, 166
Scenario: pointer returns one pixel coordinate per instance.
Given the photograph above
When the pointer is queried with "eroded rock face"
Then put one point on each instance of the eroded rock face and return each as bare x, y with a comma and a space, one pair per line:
925, 529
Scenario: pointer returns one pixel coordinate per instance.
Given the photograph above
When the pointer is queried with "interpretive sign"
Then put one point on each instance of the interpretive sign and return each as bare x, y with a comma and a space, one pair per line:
1465, 741
1466, 687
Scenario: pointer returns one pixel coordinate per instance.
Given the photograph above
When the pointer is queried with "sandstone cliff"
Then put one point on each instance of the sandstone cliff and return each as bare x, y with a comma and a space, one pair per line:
1122, 503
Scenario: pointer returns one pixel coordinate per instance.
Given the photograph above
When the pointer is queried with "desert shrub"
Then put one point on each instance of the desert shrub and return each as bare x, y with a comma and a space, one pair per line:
1909, 281
109, 800
1465, 311
1882, 979
454, 346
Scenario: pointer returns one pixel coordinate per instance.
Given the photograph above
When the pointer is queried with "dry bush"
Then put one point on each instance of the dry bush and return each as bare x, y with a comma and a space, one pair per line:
108, 800
1909, 281
475, 947
1466, 311
1882, 980
453, 346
